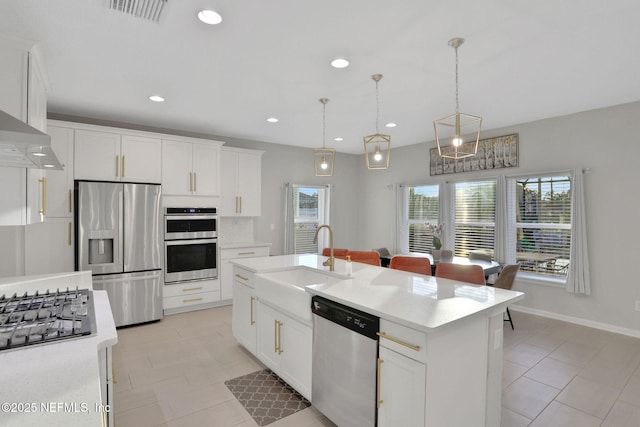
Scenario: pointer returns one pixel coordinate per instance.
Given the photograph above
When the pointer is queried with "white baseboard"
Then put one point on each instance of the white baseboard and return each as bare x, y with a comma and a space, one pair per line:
583, 322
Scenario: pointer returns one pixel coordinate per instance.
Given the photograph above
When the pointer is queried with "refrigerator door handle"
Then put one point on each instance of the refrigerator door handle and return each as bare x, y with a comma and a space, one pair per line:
121, 228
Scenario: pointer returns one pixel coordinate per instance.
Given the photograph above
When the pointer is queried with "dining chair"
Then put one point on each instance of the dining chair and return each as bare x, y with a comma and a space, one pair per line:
414, 264
480, 255
505, 281
337, 253
366, 257
385, 256
462, 272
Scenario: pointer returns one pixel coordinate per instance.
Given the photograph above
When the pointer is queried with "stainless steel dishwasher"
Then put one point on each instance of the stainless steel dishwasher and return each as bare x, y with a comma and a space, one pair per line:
345, 352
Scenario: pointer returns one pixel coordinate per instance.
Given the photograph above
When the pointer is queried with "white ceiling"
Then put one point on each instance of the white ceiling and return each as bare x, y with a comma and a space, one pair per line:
522, 61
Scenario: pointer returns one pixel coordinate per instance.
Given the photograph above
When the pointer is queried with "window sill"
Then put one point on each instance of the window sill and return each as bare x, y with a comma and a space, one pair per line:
536, 279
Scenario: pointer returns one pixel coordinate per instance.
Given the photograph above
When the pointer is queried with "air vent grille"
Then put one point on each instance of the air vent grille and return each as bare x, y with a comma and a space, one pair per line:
145, 9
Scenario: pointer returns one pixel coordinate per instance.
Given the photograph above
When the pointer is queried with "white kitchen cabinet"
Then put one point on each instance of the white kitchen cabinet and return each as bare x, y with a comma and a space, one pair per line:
241, 175
402, 390
285, 346
105, 362
190, 168
189, 296
107, 156
226, 268
59, 184
23, 94
244, 315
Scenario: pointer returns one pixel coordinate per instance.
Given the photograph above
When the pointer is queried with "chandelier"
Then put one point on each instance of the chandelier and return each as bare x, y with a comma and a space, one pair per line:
323, 158
377, 147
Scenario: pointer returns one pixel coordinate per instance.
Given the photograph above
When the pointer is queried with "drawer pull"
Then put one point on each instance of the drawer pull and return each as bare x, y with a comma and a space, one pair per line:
192, 300
251, 321
246, 253
241, 277
379, 400
192, 289
397, 341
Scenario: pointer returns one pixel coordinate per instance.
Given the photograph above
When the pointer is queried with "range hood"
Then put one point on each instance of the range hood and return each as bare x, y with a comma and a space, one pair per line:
24, 146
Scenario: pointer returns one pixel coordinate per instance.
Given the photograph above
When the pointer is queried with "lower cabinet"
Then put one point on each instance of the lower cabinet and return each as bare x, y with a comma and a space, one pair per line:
188, 296
226, 268
284, 345
243, 317
401, 382
106, 385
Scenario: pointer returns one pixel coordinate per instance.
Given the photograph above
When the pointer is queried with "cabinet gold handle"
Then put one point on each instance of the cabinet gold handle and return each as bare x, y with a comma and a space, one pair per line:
69, 234
70, 200
191, 289
122, 166
251, 321
240, 197
236, 204
191, 182
113, 372
117, 163
280, 338
43, 209
397, 341
241, 277
380, 401
246, 253
192, 300
195, 182
275, 336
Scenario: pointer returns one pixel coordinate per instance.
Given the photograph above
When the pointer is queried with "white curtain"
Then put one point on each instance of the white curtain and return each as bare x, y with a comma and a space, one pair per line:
289, 230
505, 208
447, 214
402, 228
578, 280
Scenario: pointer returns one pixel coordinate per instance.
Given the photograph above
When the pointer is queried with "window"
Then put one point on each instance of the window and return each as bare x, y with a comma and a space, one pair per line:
309, 208
475, 216
543, 224
421, 205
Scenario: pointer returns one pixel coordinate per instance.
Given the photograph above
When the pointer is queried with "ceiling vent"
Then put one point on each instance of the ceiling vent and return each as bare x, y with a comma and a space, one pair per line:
145, 9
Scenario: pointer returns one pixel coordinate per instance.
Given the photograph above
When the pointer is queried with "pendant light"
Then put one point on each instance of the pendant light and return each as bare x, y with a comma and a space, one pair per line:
323, 158
377, 147
452, 130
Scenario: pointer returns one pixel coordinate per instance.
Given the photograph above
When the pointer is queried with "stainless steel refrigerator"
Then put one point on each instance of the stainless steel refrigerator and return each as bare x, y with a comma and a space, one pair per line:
118, 238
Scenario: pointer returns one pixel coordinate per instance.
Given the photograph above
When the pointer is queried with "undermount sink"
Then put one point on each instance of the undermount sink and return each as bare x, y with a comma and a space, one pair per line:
285, 289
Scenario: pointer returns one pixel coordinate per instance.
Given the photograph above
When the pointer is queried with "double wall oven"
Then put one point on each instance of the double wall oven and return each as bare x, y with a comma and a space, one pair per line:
191, 244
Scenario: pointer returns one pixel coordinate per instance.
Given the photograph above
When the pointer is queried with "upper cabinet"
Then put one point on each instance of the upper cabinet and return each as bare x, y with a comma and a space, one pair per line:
191, 168
23, 94
241, 172
59, 184
106, 156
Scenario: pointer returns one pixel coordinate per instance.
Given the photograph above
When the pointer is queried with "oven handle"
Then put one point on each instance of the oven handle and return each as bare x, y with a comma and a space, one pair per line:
189, 242
187, 217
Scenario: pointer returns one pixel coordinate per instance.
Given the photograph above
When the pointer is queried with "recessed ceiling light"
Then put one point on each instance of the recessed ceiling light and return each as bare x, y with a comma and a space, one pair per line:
339, 138
48, 166
391, 125
210, 17
340, 63
272, 120
156, 98
38, 154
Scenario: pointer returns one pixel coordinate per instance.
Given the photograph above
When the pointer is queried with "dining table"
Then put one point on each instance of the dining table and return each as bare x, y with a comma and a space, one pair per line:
489, 267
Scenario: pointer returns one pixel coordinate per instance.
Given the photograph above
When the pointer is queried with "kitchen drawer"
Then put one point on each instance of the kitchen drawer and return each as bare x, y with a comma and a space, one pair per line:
244, 276
248, 252
189, 288
188, 300
403, 340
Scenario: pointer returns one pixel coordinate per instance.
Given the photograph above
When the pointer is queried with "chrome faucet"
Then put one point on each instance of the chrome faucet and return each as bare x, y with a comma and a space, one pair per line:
331, 261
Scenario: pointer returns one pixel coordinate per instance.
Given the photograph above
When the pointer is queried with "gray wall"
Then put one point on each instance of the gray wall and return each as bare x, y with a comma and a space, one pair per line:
604, 140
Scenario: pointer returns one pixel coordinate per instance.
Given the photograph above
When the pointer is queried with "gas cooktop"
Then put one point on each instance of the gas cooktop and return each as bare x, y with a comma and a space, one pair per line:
40, 318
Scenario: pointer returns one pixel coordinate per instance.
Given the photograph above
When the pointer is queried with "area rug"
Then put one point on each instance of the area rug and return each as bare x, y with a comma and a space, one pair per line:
266, 397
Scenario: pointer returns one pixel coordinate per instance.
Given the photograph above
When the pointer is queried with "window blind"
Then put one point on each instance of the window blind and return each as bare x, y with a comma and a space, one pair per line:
422, 207
475, 216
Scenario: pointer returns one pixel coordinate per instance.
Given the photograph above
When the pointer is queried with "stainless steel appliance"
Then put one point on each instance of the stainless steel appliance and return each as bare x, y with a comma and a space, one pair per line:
190, 244
40, 318
118, 238
345, 352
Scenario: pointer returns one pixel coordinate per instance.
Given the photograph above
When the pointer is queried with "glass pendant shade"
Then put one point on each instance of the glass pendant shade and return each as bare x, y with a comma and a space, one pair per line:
458, 134
323, 159
377, 149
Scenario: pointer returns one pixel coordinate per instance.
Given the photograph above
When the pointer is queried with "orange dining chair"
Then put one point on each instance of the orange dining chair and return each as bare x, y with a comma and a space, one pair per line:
414, 264
337, 253
366, 257
462, 272
505, 281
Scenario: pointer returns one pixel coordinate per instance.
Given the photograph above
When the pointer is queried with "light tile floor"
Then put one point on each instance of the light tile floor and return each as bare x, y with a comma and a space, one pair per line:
172, 373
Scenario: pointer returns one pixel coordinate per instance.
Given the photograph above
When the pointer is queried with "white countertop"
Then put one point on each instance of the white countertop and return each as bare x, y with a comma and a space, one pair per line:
56, 384
237, 245
420, 302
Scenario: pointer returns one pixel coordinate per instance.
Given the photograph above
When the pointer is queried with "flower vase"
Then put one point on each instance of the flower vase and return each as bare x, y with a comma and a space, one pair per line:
435, 253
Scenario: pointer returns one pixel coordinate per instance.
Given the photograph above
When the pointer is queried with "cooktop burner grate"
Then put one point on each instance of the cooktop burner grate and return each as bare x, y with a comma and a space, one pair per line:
41, 318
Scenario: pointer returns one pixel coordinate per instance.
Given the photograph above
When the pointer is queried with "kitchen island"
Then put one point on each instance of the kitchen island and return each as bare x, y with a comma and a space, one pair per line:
62, 383
440, 349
